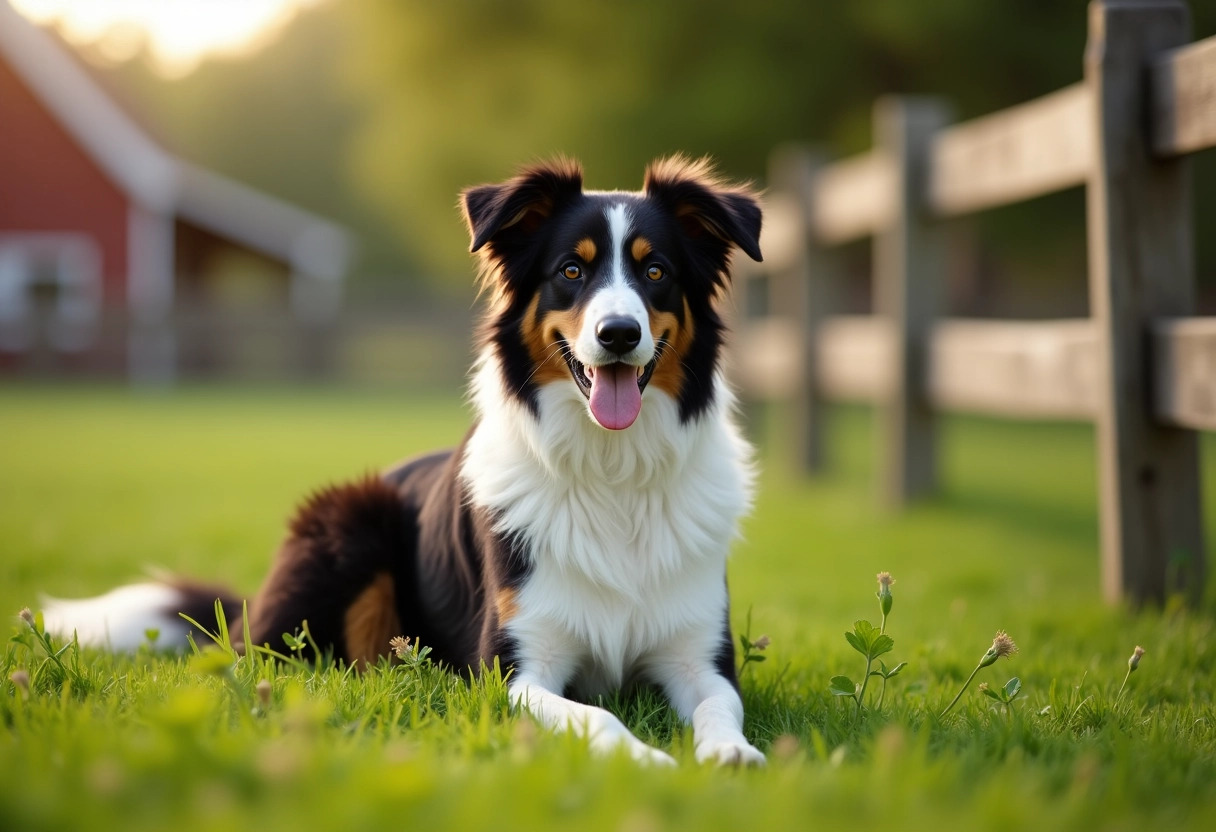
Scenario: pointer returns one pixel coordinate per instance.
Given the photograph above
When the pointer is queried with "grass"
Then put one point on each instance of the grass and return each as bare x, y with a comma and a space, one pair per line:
98, 483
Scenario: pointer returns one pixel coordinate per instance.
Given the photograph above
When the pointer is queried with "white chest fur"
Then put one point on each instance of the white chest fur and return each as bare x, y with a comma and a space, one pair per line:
628, 531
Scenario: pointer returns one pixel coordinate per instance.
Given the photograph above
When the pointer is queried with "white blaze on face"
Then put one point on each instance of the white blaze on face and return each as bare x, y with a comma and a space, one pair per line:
615, 399
617, 299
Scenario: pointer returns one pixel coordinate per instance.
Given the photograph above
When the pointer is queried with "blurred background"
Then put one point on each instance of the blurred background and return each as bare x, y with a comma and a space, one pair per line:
267, 188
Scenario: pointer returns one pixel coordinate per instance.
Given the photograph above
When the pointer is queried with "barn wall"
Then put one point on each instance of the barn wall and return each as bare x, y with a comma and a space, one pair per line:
48, 184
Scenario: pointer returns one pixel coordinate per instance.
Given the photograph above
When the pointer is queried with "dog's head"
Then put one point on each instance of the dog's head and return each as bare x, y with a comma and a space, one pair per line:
614, 293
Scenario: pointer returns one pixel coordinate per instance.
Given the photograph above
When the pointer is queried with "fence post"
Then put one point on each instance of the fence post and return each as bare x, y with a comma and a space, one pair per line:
1140, 268
908, 263
804, 292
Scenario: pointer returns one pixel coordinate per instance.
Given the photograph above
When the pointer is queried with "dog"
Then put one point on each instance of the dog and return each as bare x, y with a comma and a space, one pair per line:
579, 534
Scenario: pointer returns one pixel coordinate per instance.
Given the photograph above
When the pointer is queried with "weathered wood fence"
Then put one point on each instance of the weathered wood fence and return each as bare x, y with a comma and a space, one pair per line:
1139, 367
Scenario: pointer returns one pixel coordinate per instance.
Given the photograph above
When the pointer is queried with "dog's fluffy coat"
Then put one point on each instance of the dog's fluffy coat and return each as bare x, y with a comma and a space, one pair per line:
580, 532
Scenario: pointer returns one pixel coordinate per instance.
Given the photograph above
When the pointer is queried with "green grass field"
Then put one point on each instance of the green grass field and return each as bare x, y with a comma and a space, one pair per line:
97, 484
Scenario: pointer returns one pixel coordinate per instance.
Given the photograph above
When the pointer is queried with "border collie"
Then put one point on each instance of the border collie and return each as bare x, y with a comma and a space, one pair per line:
580, 532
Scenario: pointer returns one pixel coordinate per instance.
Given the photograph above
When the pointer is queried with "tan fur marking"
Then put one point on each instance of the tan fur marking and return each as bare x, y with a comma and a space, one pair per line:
641, 248
506, 605
668, 374
540, 336
371, 620
586, 249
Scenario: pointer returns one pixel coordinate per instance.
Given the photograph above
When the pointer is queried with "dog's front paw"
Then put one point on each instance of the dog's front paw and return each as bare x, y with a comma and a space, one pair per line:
644, 753
730, 753
614, 736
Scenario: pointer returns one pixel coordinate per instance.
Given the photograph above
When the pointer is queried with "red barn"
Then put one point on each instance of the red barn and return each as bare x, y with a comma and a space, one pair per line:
97, 221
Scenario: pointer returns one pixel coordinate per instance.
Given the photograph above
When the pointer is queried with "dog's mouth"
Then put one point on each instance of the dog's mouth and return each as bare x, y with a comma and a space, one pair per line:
613, 391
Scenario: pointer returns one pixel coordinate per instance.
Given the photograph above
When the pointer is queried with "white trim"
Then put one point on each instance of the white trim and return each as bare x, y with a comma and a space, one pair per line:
151, 341
74, 266
305, 242
15, 332
314, 300
150, 266
151, 355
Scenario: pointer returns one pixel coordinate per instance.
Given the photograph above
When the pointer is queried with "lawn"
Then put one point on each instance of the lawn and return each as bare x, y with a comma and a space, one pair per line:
98, 484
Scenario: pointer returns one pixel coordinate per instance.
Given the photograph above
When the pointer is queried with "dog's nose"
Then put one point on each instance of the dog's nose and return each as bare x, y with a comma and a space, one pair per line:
618, 334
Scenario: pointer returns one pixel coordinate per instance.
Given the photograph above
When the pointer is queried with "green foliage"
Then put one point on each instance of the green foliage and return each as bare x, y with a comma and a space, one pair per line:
97, 483
752, 651
871, 643
867, 640
378, 112
476, 88
1004, 694
843, 686
887, 674
50, 666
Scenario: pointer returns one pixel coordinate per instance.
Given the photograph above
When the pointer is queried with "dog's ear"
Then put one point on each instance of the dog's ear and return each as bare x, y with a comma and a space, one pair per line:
710, 212
516, 209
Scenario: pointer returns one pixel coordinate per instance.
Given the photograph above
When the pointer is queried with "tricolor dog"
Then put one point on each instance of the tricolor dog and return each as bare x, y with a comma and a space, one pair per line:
580, 532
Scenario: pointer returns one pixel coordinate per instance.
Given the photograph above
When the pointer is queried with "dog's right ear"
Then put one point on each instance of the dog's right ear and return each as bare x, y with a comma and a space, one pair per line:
508, 214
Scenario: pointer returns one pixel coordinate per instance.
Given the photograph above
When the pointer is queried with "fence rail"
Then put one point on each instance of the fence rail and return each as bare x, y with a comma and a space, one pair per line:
1139, 368
1184, 99
853, 198
378, 341
1035, 148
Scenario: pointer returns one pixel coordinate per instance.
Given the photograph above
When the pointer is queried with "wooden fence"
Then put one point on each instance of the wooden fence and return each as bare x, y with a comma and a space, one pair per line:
1139, 367
378, 341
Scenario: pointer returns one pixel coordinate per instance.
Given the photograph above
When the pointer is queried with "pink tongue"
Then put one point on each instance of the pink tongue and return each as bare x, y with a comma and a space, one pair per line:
615, 398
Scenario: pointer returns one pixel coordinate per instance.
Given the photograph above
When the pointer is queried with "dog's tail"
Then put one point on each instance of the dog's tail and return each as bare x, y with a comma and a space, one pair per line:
143, 613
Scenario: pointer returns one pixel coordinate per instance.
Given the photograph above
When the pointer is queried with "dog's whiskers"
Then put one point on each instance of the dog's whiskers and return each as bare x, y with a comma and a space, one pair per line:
560, 346
661, 348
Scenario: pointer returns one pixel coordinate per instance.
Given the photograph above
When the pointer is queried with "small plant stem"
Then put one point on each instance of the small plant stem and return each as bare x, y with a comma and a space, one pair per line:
882, 692
862, 693
51, 653
882, 630
1119, 695
959, 695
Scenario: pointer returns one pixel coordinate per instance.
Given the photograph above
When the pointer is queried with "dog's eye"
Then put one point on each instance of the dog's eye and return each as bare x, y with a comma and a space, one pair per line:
571, 271
655, 273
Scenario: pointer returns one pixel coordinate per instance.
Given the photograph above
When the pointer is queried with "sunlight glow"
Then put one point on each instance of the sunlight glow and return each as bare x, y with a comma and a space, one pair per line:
178, 34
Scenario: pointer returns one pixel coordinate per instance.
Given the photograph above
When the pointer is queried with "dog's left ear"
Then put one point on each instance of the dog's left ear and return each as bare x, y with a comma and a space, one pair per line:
707, 209
514, 210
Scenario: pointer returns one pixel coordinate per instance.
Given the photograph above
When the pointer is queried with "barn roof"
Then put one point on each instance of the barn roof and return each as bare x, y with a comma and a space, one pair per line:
155, 178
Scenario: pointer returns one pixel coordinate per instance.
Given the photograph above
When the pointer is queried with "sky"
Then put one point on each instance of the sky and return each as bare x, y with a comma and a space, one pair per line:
177, 34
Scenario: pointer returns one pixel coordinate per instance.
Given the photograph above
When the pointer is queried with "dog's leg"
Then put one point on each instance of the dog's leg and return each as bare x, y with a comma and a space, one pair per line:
603, 731
339, 570
692, 672
533, 686
715, 710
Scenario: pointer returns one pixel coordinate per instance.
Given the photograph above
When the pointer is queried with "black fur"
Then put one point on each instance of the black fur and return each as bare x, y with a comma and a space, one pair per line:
340, 540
